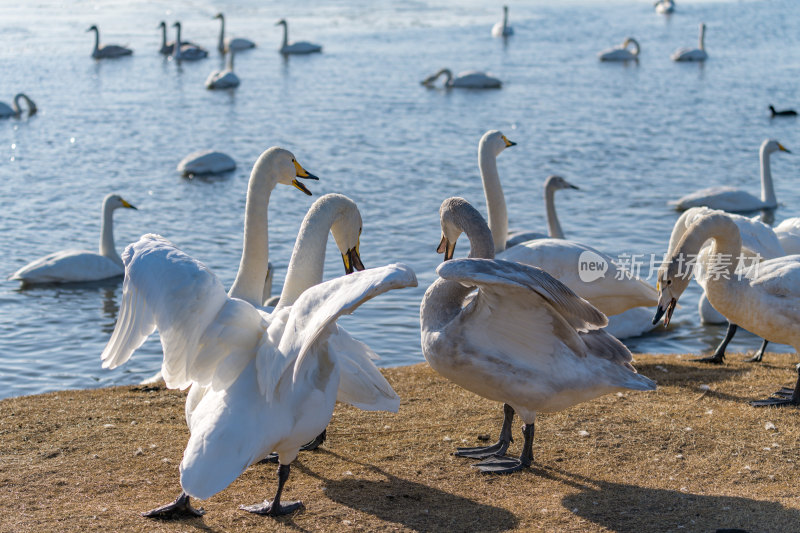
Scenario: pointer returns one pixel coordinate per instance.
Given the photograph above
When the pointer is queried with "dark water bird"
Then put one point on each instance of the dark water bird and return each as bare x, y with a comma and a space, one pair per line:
783, 112
106, 50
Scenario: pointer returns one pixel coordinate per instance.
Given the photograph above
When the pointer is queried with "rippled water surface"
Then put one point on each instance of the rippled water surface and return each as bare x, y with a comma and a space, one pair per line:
632, 137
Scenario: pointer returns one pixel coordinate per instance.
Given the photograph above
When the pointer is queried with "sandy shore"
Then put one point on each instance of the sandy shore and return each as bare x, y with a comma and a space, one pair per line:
684, 458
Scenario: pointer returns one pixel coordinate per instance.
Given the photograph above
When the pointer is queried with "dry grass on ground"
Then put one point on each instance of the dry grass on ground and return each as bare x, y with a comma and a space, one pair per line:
682, 458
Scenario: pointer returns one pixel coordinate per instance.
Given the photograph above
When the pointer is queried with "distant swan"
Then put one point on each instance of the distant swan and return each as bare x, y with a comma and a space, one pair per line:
107, 50
524, 339
186, 51
502, 29
467, 80
665, 7
14, 109
206, 162
231, 43
300, 47
226, 78
782, 113
728, 198
70, 266
168, 46
621, 53
693, 54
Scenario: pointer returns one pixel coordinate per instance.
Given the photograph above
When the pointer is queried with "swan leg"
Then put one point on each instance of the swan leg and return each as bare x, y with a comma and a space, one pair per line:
508, 465
307, 447
785, 396
500, 447
275, 507
718, 357
760, 354
180, 507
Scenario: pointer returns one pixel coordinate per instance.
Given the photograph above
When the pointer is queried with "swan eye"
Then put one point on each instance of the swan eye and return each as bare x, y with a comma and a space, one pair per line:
669, 282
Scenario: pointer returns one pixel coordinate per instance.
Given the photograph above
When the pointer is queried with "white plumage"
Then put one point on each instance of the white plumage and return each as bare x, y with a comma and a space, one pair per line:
298, 47
472, 79
693, 54
621, 52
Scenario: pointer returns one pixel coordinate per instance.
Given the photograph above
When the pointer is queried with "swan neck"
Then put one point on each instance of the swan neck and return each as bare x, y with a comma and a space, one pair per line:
230, 60
701, 39
163, 36
725, 248
107, 234
285, 35
177, 50
96, 39
554, 230
15, 104
505, 19
221, 43
495, 200
449, 80
441, 303
767, 188
636, 47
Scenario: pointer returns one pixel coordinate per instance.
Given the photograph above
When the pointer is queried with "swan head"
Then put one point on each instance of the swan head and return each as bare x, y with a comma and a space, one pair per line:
176, 24
557, 183
219, 16
282, 21
673, 278
346, 230
495, 142
771, 145
453, 215
115, 201
92, 28
283, 165
162, 24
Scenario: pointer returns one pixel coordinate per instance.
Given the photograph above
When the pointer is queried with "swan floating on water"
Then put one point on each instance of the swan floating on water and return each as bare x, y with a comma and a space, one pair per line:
206, 162
107, 50
167, 47
728, 198
621, 52
554, 231
502, 29
693, 54
524, 339
765, 301
225, 78
782, 113
466, 80
71, 266
266, 382
184, 51
300, 47
665, 7
14, 110
231, 43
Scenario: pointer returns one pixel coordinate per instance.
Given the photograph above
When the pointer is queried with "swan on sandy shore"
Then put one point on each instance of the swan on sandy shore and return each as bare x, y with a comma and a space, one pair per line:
523, 339
502, 28
693, 54
621, 52
299, 47
184, 51
230, 43
14, 110
72, 266
225, 78
764, 301
107, 50
466, 80
728, 198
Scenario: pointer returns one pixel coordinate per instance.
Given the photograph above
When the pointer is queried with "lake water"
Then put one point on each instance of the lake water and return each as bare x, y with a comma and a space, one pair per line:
631, 136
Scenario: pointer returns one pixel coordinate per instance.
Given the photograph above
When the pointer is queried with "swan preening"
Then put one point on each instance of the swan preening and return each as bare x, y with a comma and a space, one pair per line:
206, 162
183, 51
225, 78
71, 266
782, 113
621, 52
299, 47
524, 339
693, 54
467, 80
765, 300
665, 7
502, 29
107, 50
14, 110
732, 199
231, 43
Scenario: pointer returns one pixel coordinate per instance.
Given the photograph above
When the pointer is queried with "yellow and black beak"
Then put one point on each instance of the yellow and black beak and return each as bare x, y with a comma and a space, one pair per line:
128, 205
446, 248
782, 147
508, 143
352, 261
302, 173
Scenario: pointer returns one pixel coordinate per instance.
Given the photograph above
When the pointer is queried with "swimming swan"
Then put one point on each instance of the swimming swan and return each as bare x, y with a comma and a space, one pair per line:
107, 50
68, 266
729, 198
185, 51
465, 80
226, 78
665, 7
206, 162
621, 52
300, 47
231, 43
271, 380
524, 339
693, 54
502, 29
765, 301
14, 109
167, 47
782, 113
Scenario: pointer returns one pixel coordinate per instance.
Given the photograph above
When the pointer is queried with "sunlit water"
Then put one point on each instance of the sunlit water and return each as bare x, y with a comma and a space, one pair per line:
631, 136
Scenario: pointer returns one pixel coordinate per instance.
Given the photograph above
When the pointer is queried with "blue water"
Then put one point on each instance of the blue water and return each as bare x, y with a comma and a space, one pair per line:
632, 137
